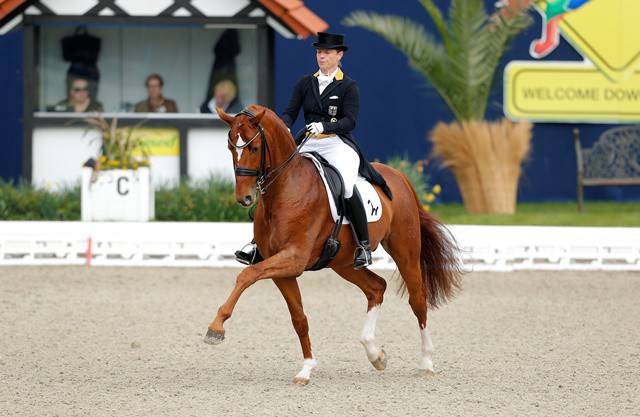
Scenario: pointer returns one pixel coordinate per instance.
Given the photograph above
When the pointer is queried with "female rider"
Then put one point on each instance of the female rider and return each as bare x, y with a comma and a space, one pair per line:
331, 102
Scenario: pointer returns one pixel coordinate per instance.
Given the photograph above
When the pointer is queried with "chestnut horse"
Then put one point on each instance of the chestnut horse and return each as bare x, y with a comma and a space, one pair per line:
293, 221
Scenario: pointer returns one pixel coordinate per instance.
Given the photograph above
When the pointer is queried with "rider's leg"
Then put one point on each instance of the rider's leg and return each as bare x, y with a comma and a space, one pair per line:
360, 227
346, 160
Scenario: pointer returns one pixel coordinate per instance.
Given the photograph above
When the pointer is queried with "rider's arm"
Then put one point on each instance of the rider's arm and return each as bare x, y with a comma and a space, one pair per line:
350, 109
295, 103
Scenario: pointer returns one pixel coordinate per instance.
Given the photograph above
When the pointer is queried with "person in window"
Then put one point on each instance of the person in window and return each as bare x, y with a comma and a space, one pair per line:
225, 96
79, 100
155, 102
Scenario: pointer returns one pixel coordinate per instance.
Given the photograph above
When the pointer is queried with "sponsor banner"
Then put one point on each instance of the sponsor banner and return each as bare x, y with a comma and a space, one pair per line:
160, 141
569, 92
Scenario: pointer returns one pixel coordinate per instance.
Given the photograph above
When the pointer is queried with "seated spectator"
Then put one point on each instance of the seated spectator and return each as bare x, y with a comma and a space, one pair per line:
225, 97
155, 103
79, 100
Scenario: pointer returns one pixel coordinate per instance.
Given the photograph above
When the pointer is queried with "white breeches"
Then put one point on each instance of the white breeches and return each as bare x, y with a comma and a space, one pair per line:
340, 155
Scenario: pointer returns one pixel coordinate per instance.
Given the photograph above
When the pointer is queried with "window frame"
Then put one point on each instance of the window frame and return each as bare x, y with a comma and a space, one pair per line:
182, 121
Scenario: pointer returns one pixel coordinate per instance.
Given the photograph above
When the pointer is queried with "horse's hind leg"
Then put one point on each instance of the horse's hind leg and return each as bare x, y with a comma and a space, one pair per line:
404, 246
407, 259
291, 293
373, 287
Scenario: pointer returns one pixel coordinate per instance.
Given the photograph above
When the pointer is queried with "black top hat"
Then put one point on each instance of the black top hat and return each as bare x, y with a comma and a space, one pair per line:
330, 41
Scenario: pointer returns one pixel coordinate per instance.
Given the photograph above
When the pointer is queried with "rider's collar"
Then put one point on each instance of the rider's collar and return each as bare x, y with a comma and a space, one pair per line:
339, 75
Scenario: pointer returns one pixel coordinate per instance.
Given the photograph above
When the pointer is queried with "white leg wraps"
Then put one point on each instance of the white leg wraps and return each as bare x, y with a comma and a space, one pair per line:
307, 366
427, 350
367, 335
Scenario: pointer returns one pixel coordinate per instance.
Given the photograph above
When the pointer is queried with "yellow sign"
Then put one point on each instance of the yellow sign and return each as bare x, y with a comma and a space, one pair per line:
160, 141
603, 88
607, 33
569, 92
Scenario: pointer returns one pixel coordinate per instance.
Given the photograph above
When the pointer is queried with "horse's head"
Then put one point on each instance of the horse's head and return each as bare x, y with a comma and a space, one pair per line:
247, 143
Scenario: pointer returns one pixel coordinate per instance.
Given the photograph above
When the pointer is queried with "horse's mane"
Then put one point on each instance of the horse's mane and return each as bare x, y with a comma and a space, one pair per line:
274, 122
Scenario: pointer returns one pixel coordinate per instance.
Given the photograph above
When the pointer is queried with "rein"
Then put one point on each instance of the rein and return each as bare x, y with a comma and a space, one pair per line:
261, 173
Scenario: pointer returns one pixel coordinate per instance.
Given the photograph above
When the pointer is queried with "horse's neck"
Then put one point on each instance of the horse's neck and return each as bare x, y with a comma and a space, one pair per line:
290, 186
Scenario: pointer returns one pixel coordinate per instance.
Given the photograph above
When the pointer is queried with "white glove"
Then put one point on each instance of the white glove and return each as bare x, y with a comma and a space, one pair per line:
315, 128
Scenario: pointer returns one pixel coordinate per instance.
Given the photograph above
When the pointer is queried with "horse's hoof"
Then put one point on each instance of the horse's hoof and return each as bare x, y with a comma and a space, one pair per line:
300, 381
381, 362
427, 373
213, 337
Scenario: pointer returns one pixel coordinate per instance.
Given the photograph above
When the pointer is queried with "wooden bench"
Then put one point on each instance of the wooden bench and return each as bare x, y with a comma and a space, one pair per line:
613, 160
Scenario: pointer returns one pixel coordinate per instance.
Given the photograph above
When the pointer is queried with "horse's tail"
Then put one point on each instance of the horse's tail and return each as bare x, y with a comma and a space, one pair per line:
440, 261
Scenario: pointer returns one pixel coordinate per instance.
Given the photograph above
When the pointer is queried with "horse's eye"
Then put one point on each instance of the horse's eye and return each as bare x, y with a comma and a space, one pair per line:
255, 149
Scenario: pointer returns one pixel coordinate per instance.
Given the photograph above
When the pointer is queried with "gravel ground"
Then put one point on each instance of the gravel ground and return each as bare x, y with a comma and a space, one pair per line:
128, 341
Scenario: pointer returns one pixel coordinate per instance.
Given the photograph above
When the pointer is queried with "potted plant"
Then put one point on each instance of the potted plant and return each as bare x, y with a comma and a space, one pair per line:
117, 186
485, 157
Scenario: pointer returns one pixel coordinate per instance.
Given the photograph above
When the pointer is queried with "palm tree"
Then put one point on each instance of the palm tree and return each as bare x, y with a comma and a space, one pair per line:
462, 67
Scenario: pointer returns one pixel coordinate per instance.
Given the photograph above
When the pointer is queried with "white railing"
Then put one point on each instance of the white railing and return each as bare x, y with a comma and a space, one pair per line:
495, 248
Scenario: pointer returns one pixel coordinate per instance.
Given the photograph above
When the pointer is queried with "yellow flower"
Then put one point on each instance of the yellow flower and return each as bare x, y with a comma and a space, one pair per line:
403, 163
437, 189
424, 196
431, 197
420, 169
426, 207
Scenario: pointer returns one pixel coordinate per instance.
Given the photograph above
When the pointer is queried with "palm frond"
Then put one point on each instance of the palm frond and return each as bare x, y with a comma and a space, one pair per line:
463, 67
423, 52
441, 24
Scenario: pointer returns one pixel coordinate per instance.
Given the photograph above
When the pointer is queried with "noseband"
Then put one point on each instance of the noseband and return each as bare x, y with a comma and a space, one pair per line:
261, 173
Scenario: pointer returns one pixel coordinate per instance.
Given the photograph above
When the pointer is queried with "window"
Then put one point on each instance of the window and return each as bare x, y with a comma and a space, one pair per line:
114, 61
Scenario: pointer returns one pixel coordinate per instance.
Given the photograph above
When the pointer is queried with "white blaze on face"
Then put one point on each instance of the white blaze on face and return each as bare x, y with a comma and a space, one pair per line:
239, 144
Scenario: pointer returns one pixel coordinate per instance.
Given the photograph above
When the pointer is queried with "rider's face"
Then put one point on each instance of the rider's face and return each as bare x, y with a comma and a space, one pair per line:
328, 59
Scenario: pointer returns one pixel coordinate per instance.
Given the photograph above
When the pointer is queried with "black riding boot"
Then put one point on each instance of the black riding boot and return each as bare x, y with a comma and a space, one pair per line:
358, 218
249, 256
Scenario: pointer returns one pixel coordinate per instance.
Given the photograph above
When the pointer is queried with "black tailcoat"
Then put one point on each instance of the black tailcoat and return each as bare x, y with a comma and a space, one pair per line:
339, 101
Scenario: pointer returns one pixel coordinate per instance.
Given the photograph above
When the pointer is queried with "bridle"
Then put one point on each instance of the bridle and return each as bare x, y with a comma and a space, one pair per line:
261, 173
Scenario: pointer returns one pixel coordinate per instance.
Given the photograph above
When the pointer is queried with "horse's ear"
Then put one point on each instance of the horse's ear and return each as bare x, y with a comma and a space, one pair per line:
258, 117
228, 119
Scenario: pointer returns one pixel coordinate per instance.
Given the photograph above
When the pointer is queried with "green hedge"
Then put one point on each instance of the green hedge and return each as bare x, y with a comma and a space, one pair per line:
208, 201
23, 202
202, 201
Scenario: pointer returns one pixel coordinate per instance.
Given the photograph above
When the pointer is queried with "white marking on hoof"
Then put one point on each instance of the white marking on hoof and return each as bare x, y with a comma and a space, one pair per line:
427, 351
304, 375
367, 337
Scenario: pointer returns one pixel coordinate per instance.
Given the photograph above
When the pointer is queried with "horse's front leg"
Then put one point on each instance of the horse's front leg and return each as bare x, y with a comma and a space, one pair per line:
291, 293
286, 263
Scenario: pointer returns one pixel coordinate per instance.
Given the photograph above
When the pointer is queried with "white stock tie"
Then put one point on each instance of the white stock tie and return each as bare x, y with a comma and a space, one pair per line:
324, 81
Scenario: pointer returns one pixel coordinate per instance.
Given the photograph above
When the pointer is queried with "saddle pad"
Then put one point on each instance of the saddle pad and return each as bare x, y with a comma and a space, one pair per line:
370, 197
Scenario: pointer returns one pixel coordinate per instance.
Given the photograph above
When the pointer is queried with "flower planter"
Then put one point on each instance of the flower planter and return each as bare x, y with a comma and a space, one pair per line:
118, 195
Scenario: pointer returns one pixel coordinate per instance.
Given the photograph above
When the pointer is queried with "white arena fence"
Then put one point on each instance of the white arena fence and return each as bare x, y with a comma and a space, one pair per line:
486, 248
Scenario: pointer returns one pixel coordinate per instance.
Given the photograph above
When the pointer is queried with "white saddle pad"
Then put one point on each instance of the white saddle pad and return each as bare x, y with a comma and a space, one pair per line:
370, 197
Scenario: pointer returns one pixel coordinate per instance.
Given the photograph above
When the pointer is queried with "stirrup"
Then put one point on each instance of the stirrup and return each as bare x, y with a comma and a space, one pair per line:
249, 257
362, 257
